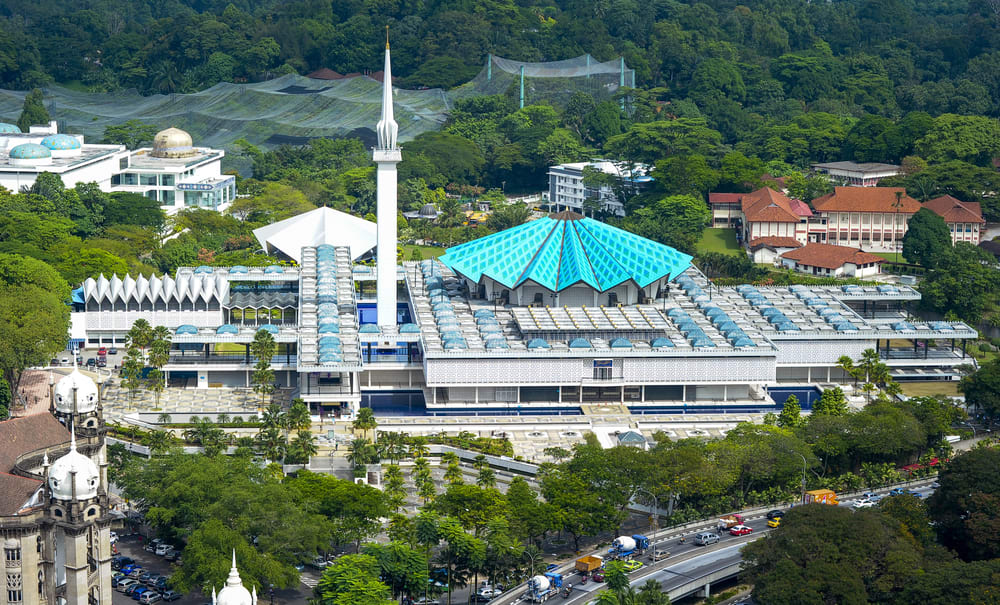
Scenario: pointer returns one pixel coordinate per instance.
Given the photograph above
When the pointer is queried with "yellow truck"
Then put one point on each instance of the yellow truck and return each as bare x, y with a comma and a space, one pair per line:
589, 563
822, 496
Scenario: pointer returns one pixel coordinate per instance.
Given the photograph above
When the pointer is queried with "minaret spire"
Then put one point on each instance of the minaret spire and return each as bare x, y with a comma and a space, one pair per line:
387, 129
386, 155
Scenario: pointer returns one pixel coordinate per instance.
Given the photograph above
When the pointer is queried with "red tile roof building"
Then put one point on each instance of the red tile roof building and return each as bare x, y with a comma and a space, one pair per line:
828, 260
964, 219
761, 213
768, 250
871, 218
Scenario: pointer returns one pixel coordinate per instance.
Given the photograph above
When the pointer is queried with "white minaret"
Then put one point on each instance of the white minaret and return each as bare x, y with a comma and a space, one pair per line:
386, 155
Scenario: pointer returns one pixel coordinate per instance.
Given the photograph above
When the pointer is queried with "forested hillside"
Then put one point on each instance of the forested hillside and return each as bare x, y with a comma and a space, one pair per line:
772, 57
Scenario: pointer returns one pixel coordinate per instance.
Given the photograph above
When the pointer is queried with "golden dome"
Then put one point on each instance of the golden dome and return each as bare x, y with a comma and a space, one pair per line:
172, 143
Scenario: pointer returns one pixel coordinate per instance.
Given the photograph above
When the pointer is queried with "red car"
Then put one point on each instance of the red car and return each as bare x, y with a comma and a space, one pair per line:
740, 530
598, 576
103, 351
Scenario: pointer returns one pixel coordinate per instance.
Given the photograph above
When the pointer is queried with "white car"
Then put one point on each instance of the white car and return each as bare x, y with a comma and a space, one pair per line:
114, 537
489, 592
863, 504
163, 549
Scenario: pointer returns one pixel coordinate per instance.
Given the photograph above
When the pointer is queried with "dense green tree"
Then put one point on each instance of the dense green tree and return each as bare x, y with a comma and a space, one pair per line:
790, 416
647, 143
352, 580
832, 402
966, 508
133, 134
675, 220
34, 316
686, 174
927, 239
797, 565
33, 112
982, 388
962, 282
974, 139
401, 567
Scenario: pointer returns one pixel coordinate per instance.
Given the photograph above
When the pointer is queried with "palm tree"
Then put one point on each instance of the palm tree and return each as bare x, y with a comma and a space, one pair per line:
303, 447
298, 417
271, 444
163, 418
222, 419
273, 417
846, 364
418, 447
453, 474
362, 452
365, 422
159, 442
487, 479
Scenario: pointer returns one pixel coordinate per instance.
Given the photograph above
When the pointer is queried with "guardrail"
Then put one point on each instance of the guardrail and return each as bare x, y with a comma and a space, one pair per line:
675, 531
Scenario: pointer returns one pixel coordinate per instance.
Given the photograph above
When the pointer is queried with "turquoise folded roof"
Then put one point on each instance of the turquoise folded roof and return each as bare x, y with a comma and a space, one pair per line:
564, 249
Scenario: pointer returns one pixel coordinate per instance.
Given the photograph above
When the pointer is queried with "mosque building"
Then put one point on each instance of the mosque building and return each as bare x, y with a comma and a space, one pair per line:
543, 318
54, 514
173, 171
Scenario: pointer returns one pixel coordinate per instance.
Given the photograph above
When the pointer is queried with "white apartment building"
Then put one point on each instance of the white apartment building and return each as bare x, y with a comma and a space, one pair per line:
567, 191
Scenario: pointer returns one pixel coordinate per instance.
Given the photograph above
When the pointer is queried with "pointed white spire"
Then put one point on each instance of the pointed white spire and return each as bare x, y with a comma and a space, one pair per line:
387, 129
213, 595
234, 574
72, 436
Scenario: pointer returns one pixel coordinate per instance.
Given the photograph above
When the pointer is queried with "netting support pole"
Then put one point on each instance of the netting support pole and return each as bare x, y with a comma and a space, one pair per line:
522, 87
588, 66
489, 67
621, 77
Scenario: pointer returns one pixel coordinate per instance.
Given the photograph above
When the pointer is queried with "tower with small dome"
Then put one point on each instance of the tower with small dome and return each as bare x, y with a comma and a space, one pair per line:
54, 509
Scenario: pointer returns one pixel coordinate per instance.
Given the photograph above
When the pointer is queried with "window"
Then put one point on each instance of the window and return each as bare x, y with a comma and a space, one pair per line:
167, 180
130, 178
123, 163
968, 227
12, 555
147, 179
508, 394
603, 369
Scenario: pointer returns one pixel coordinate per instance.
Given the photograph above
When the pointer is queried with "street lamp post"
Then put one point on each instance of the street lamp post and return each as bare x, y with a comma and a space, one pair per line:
803, 477
656, 507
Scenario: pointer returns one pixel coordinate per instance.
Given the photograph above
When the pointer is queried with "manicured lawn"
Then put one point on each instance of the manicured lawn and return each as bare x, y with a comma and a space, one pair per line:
426, 251
924, 389
719, 239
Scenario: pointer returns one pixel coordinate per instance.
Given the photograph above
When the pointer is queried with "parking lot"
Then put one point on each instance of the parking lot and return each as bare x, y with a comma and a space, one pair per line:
130, 546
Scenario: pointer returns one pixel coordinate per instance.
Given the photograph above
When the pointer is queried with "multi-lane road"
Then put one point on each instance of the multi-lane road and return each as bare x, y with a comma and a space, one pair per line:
686, 564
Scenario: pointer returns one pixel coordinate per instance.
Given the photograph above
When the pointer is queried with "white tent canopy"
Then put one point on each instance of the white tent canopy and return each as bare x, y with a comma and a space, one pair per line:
319, 226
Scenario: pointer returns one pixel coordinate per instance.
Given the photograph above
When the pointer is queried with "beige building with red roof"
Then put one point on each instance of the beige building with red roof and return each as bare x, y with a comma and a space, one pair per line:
964, 219
761, 213
870, 218
768, 250
828, 260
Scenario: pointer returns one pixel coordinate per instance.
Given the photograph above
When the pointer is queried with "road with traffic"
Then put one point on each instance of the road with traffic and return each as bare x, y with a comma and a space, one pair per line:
686, 563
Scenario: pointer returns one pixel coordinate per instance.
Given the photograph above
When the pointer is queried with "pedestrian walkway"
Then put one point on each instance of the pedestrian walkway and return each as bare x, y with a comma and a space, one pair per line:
177, 401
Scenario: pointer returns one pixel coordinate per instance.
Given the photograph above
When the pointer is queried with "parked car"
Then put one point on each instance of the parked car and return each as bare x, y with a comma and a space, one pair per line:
173, 555
150, 597
146, 575
103, 351
152, 579
125, 584
775, 514
163, 548
170, 595
112, 351
65, 361
91, 362
319, 563
132, 590
426, 601
632, 565
137, 592
136, 572
490, 592
113, 537
740, 530
126, 568
102, 362
117, 578
161, 583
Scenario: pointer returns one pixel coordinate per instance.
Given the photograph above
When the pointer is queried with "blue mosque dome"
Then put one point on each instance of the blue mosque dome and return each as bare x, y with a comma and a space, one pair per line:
60, 142
6, 128
30, 151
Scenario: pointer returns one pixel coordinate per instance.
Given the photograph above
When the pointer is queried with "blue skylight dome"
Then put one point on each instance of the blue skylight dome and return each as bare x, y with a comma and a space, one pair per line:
662, 343
61, 142
559, 251
30, 151
186, 329
579, 343
227, 329
621, 343
238, 269
6, 128
328, 329
273, 329
202, 269
409, 329
538, 343
369, 329
273, 269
